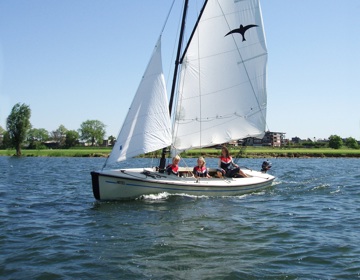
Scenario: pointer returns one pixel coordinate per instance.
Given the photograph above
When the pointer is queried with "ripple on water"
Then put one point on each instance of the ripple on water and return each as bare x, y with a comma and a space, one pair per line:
304, 227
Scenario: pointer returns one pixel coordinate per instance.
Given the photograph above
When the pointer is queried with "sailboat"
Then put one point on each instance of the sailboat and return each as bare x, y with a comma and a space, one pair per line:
218, 95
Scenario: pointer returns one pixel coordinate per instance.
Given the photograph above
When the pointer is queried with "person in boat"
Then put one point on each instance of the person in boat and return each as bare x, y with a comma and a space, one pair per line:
173, 168
220, 173
227, 165
266, 165
200, 169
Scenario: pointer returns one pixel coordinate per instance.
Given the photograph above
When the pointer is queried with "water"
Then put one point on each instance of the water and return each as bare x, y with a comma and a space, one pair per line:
304, 227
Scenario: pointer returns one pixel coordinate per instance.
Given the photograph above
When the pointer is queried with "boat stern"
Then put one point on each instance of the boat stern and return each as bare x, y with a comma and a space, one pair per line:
95, 184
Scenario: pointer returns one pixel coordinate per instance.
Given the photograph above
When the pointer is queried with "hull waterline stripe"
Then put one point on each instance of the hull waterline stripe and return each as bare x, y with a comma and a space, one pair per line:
255, 186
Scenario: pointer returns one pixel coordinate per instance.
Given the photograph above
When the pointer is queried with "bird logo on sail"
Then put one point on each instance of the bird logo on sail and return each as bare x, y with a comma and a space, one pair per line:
242, 29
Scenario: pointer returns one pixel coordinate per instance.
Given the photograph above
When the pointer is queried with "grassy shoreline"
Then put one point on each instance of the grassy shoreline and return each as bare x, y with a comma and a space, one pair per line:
249, 152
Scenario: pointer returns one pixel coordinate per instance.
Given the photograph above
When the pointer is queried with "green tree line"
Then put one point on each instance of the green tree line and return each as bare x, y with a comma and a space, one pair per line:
334, 142
19, 132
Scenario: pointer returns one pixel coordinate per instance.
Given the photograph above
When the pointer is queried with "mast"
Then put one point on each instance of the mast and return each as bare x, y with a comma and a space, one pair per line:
193, 32
177, 62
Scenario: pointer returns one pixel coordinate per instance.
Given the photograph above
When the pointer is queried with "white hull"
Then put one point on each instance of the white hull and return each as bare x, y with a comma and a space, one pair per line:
132, 183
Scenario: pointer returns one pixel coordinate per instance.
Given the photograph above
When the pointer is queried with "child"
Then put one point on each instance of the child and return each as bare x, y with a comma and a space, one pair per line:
173, 169
200, 170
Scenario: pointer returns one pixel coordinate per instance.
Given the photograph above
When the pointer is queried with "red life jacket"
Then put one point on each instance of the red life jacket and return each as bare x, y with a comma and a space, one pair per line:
200, 171
171, 168
226, 162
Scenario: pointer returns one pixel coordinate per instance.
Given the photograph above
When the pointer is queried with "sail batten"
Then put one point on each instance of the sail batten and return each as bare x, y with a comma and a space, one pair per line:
222, 84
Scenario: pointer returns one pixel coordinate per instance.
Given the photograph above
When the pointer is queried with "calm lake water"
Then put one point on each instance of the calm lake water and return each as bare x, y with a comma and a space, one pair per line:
306, 226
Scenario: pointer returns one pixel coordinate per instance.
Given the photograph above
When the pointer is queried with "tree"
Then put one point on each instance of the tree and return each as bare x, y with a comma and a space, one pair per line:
351, 143
92, 131
71, 138
59, 135
335, 142
18, 125
2, 135
112, 140
36, 136
6, 143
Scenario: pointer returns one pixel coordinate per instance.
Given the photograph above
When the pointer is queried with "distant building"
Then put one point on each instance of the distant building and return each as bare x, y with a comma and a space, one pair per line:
295, 140
271, 139
251, 141
52, 144
105, 143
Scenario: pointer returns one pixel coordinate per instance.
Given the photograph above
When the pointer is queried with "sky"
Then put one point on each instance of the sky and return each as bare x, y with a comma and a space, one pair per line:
72, 61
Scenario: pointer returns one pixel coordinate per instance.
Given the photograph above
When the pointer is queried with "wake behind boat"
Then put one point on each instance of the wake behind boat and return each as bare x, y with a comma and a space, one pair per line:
219, 95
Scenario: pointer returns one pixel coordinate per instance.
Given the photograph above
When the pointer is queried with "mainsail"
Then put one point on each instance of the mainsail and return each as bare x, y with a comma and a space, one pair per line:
222, 85
147, 125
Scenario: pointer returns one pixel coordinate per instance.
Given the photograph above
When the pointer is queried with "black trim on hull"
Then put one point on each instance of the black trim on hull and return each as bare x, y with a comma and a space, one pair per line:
95, 184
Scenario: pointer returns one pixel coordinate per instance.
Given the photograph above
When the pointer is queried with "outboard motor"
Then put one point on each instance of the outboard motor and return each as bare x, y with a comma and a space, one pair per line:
266, 165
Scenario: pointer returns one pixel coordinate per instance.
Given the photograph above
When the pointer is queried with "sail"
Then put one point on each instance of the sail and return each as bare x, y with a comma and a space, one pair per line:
147, 125
222, 85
